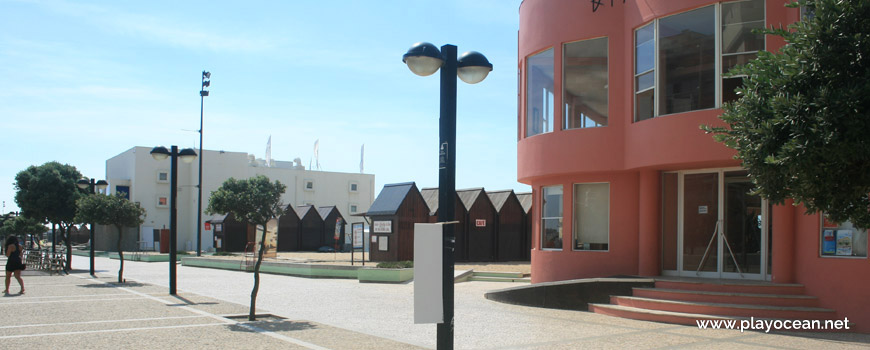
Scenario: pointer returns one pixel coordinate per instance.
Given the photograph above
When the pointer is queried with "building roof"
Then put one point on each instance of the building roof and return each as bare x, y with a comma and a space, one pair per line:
430, 196
525, 199
390, 198
290, 210
325, 211
499, 198
215, 219
302, 210
468, 196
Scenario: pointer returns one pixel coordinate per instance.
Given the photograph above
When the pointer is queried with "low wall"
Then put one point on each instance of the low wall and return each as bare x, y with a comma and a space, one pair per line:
569, 295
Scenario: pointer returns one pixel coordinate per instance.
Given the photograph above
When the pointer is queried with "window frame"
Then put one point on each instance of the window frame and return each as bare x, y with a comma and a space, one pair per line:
561, 218
564, 109
305, 183
656, 64
162, 171
526, 94
351, 185
720, 57
574, 213
822, 230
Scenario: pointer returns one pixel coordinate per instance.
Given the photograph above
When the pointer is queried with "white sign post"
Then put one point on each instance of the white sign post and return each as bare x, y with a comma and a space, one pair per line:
428, 257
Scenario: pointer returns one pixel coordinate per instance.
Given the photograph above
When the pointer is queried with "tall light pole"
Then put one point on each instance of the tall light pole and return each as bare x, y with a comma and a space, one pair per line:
472, 67
202, 94
187, 155
92, 186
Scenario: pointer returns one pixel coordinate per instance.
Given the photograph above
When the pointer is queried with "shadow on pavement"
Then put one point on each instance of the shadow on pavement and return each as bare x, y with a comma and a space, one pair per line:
112, 285
273, 326
187, 302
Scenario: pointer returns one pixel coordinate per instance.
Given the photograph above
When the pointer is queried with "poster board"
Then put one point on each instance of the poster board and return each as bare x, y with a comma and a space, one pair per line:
271, 239
428, 277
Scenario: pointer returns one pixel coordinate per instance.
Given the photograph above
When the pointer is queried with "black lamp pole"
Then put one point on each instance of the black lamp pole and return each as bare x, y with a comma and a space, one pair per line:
91, 185
187, 154
472, 67
202, 94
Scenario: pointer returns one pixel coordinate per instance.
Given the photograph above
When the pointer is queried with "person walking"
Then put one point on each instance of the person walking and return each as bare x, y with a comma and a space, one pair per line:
14, 265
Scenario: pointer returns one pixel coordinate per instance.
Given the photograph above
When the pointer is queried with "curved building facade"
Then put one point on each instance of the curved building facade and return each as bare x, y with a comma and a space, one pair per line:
612, 95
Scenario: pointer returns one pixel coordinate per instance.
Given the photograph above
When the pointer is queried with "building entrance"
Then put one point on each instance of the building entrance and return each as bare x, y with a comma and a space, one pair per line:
713, 227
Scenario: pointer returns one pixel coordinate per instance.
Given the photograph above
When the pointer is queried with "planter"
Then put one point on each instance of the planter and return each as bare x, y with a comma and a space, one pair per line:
375, 275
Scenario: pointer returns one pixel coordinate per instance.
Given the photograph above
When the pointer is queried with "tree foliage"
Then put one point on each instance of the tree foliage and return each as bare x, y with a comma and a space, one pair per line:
802, 125
48, 193
256, 201
111, 210
21, 226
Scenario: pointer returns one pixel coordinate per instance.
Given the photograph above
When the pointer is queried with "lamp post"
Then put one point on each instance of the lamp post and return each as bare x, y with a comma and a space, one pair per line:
187, 155
92, 186
202, 94
472, 67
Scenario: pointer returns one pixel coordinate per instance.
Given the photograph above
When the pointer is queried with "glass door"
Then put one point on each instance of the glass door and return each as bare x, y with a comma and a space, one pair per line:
712, 226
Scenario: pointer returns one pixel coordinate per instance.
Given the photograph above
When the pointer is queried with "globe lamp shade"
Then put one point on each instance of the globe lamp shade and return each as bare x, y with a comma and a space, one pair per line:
102, 184
473, 67
160, 153
83, 183
187, 155
423, 59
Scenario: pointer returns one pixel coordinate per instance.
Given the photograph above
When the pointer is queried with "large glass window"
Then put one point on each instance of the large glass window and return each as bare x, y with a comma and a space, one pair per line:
842, 239
677, 55
584, 83
539, 93
551, 217
591, 216
739, 44
687, 61
644, 72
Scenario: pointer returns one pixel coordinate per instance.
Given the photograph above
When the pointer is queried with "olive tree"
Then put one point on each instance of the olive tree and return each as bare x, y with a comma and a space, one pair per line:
256, 201
114, 210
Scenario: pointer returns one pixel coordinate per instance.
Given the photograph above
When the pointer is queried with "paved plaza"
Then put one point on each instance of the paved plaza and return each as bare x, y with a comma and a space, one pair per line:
78, 311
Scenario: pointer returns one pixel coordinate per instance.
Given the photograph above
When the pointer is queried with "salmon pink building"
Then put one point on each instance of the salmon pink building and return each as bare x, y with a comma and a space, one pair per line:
611, 98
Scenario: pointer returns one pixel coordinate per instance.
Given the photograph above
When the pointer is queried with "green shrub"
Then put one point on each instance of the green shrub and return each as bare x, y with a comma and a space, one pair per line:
407, 264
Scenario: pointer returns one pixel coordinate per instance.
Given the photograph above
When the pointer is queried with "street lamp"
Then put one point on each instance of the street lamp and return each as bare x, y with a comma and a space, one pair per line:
472, 67
202, 94
85, 183
187, 155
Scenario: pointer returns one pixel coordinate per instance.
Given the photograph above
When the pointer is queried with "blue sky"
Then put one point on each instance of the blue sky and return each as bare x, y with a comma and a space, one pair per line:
81, 82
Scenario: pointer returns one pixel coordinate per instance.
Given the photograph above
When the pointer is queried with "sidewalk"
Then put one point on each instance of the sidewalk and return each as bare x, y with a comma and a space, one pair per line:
81, 312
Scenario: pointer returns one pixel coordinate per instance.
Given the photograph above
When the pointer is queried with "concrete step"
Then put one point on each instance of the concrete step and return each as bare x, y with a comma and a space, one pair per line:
498, 274
721, 309
727, 298
652, 315
732, 287
499, 279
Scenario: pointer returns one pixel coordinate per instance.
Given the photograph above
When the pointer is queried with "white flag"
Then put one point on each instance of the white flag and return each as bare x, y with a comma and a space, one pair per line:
269, 152
317, 153
362, 153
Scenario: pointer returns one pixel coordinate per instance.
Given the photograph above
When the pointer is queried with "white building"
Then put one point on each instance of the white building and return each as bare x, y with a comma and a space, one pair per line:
147, 181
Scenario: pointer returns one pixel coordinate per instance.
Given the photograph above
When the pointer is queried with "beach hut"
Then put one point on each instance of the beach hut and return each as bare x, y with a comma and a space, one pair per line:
288, 231
333, 223
430, 196
525, 199
231, 235
393, 215
513, 238
481, 222
310, 228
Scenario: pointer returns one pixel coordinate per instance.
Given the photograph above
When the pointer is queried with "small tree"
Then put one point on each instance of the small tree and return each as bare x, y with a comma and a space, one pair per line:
256, 201
801, 126
22, 226
111, 210
48, 193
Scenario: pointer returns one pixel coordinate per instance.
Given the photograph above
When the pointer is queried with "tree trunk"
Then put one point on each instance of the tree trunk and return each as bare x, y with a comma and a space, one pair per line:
251, 314
120, 255
67, 235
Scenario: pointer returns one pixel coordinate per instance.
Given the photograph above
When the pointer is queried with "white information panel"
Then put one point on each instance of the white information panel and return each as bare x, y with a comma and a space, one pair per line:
428, 300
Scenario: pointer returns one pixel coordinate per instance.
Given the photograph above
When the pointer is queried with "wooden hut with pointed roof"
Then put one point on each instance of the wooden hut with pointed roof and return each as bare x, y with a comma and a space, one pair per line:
513, 239
310, 228
481, 220
525, 199
231, 235
398, 207
430, 195
332, 221
289, 227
